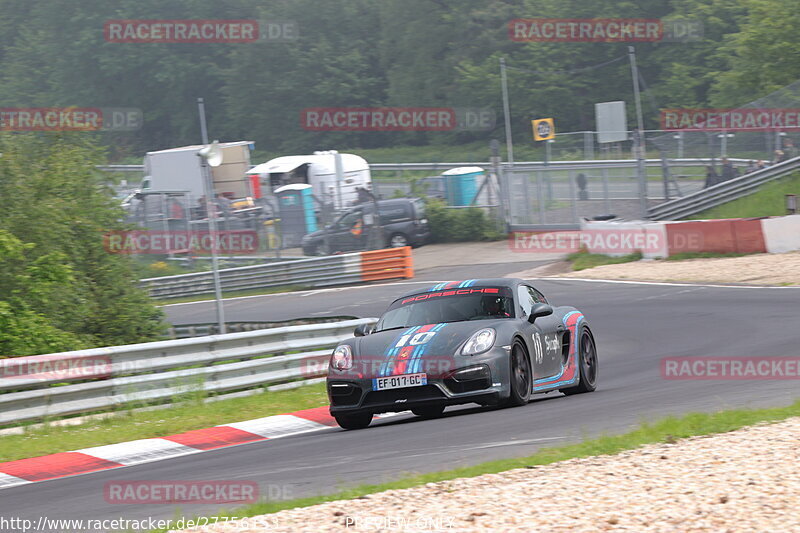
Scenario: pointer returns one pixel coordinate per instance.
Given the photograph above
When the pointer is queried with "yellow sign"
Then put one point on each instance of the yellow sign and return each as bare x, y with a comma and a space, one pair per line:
543, 129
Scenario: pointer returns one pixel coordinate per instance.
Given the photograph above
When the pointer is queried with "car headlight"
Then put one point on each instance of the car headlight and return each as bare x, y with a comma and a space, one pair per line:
342, 358
480, 341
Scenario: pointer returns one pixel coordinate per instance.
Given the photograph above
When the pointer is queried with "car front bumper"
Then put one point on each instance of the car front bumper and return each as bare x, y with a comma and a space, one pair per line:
482, 379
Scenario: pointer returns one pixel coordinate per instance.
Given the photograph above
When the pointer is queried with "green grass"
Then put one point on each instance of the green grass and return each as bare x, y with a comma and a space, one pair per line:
769, 200
189, 414
583, 259
666, 430
231, 294
700, 255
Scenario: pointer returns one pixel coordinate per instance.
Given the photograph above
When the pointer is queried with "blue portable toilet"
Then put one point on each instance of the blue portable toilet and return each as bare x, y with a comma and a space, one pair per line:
461, 184
296, 212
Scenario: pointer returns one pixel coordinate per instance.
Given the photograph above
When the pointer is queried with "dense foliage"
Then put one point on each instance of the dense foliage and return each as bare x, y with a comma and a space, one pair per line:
386, 53
59, 288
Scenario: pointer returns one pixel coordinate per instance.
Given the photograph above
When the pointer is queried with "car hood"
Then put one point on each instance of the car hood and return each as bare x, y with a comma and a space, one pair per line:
430, 348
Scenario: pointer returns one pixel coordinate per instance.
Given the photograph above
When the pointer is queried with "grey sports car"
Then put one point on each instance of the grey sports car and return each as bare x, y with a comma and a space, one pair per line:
487, 341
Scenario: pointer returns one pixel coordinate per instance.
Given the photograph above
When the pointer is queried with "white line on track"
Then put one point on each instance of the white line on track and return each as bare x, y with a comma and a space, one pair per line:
667, 283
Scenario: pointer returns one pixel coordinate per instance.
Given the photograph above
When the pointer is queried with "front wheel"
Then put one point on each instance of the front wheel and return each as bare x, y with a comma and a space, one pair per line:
356, 421
587, 362
521, 383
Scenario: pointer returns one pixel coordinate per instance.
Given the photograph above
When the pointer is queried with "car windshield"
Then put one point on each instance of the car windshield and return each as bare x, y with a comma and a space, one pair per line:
455, 305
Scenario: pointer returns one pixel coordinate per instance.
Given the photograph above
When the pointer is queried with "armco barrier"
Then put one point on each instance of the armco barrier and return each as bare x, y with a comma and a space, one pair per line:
718, 236
654, 232
386, 264
41, 386
781, 234
314, 272
735, 235
722, 193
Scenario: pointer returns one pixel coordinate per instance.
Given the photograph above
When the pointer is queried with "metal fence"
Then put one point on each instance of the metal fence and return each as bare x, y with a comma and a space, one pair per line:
722, 193
562, 194
159, 372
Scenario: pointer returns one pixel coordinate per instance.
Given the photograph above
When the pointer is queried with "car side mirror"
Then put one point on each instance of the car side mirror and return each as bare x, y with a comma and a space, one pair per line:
363, 329
539, 310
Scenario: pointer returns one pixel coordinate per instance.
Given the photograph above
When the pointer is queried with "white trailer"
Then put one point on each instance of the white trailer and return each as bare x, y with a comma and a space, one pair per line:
318, 170
180, 169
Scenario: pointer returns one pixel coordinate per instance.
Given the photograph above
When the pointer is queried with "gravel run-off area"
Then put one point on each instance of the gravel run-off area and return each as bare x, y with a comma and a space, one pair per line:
757, 269
743, 481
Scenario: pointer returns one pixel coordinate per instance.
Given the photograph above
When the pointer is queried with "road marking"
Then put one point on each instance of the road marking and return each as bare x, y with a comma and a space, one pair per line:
11, 481
666, 283
139, 451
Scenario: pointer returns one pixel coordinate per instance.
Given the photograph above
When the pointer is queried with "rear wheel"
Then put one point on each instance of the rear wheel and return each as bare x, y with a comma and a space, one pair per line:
520, 376
587, 363
429, 411
356, 421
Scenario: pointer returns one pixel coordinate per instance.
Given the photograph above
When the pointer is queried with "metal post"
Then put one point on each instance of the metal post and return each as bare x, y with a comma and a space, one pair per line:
606, 199
540, 198
494, 146
588, 145
572, 196
211, 213
506, 111
337, 161
639, 136
723, 145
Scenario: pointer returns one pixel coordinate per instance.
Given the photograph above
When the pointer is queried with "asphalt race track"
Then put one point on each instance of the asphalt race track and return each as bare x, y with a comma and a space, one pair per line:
635, 326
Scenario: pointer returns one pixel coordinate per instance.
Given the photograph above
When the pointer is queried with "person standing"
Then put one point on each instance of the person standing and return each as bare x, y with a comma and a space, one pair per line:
711, 177
728, 173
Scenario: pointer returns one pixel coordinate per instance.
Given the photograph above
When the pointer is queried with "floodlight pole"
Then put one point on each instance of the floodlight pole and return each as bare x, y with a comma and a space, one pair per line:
638, 138
211, 213
506, 111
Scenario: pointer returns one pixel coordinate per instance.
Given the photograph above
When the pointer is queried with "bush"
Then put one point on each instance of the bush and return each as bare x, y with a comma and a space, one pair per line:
59, 288
459, 225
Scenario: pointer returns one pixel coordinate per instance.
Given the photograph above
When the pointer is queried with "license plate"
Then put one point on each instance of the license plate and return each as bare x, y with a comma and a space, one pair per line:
399, 382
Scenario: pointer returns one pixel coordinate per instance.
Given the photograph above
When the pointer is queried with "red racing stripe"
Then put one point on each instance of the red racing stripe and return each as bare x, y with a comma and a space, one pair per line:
54, 466
216, 437
320, 415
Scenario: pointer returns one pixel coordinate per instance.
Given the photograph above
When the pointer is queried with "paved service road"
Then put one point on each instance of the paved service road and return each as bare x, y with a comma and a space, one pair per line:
635, 326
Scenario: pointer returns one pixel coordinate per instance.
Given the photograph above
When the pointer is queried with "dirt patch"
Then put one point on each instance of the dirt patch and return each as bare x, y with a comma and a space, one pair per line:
758, 269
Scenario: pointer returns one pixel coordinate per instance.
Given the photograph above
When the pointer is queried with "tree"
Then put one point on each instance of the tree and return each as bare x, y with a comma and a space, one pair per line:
54, 210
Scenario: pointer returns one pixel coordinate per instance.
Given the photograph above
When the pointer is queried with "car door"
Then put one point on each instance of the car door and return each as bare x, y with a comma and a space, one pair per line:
544, 335
347, 233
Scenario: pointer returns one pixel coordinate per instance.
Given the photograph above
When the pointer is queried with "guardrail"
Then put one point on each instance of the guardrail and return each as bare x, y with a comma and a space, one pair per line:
186, 331
358, 267
85, 381
722, 192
